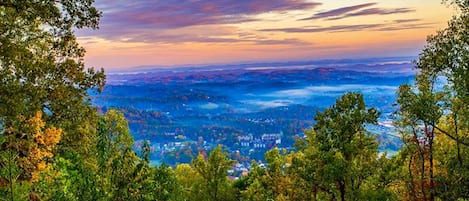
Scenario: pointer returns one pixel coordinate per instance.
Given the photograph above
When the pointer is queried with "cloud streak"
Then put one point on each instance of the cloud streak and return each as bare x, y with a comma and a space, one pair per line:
357, 10
338, 11
380, 11
337, 28
395, 25
407, 20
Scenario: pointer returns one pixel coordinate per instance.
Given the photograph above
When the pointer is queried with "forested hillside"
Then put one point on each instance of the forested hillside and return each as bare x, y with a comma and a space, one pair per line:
54, 145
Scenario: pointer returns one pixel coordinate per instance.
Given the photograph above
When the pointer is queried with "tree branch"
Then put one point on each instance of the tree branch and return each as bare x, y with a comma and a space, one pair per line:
451, 136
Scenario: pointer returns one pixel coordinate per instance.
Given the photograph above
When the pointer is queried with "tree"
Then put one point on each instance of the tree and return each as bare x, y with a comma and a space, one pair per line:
213, 171
278, 177
452, 166
189, 180
340, 153
253, 186
418, 112
436, 108
270, 183
26, 157
121, 170
11, 187
42, 69
35, 146
166, 186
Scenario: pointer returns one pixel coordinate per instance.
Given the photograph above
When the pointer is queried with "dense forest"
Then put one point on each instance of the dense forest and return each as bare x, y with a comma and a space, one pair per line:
54, 145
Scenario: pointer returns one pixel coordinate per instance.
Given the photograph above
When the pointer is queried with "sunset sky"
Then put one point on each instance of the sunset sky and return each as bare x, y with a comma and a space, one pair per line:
185, 32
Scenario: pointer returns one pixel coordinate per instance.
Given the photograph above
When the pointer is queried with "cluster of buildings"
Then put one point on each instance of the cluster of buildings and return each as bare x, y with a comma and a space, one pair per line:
265, 141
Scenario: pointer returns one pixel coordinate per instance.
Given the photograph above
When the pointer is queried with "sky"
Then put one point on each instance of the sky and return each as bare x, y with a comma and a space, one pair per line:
174, 33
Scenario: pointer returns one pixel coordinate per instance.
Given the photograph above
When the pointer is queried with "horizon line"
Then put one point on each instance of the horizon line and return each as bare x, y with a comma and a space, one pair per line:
243, 63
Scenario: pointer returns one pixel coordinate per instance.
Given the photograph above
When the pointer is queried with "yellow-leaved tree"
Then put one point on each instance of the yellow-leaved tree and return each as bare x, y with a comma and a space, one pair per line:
35, 146
41, 149
27, 151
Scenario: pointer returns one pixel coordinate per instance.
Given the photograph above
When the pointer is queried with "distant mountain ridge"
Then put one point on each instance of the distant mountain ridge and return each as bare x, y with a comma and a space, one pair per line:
264, 65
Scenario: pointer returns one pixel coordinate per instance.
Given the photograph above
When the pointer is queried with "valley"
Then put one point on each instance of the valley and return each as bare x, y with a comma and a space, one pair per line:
249, 108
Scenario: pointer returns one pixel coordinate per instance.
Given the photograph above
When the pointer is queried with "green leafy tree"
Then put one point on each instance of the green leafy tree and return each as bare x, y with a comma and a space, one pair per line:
70, 179
41, 63
121, 176
214, 185
383, 183
278, 179
253, 186
154, 183
12, 188
189, 180
418, 112
42, 69
117, 161
340, 153
435, 110
166, 186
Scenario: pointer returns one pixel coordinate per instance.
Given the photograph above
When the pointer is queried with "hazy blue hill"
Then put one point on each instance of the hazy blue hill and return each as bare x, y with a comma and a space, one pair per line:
216, 104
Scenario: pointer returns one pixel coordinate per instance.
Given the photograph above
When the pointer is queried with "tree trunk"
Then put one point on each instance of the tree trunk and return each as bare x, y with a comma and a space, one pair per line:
342, 190
432, 185
421, 150
412, 187
12, 190
457, 136
422, 175
315, 193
